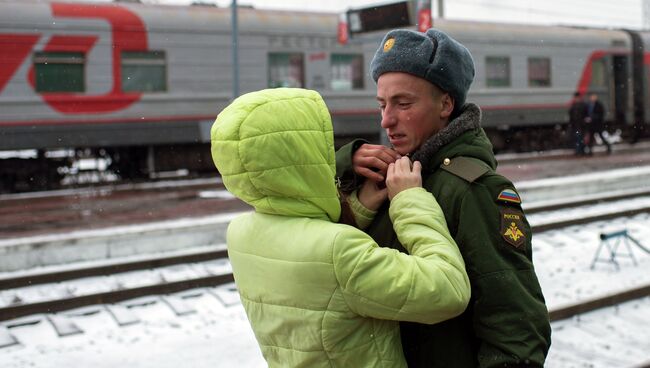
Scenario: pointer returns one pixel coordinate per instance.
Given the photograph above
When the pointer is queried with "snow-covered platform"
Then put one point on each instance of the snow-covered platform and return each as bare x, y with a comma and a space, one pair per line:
217, 334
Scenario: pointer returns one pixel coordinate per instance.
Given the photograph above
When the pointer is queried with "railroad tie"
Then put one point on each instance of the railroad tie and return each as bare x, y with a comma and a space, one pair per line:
63, 325
178, 305
6, 338
122, 315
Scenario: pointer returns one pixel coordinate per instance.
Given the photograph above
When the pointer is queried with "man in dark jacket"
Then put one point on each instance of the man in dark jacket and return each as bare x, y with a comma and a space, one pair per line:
596, 122
422, 81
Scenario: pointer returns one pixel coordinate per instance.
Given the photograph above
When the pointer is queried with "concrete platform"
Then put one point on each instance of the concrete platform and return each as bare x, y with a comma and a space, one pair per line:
113, 242
41, 229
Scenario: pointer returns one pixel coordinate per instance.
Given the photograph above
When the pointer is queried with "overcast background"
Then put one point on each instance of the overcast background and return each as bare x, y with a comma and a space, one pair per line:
593, 13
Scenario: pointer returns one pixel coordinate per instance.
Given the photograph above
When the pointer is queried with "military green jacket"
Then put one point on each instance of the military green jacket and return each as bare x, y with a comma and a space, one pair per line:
506, 323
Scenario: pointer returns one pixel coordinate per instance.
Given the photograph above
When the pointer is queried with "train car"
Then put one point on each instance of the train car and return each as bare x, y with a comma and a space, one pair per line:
141, 84
526, 76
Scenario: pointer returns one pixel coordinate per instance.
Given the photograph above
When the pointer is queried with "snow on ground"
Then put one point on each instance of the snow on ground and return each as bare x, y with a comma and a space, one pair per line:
614, 337
215, 336
218, 334
563, 259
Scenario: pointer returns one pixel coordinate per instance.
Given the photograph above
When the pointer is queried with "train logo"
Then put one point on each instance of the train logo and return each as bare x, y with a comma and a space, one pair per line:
127, 33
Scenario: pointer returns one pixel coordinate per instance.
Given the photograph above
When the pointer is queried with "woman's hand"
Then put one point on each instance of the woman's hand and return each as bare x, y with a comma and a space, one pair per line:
372, 194
402, 176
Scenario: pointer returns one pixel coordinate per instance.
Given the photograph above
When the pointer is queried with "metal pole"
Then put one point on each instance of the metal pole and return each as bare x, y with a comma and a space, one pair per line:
441, 9
235, 51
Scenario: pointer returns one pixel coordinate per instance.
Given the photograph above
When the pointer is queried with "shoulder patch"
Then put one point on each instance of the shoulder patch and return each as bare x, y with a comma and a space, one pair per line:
465, 168
512, 226
509, 195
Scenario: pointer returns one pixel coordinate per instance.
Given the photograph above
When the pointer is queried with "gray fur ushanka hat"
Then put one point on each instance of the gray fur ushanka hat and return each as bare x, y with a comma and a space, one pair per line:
433, 56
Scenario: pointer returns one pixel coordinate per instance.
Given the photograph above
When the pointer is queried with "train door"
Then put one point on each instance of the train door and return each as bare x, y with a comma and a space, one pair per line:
621, 89
639, 81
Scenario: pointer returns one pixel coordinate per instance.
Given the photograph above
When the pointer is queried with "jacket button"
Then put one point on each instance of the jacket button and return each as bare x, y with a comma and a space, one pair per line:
446, 162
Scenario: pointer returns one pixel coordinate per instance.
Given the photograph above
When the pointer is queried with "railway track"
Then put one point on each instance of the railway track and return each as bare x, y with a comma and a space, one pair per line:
20, 308
585, 201
210, 182
588, 219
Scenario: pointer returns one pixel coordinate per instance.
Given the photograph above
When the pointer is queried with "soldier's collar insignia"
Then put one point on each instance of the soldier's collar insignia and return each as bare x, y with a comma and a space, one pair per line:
512, 227
509, 195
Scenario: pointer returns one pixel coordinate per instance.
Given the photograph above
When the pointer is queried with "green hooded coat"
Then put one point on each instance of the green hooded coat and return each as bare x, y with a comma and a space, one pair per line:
318, 293
506, 323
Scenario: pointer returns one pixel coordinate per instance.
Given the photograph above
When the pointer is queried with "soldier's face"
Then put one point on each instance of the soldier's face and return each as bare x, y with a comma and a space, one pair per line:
412, 110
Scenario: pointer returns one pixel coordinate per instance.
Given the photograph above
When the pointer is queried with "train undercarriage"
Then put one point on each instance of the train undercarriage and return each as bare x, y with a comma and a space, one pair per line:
36, 170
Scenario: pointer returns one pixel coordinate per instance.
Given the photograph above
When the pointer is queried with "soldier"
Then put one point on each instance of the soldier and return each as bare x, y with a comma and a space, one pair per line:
422, 82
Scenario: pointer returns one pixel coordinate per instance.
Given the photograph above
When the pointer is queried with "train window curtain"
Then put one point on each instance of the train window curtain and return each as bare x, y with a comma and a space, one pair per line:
497, 71
144, 71
539, 72
286, 70
346, 72
59, 71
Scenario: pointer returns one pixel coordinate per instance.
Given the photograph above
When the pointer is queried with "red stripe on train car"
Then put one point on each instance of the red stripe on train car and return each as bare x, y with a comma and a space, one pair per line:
151, 119
557, 106
14, 48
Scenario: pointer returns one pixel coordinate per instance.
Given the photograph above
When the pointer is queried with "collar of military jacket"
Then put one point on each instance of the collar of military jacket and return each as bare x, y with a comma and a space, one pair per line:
469, 119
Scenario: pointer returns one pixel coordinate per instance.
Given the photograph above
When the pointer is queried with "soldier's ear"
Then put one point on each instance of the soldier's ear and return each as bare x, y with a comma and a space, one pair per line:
447, 103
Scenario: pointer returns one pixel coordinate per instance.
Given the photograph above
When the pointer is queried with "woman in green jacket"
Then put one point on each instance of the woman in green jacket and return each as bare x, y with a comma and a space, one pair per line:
318, 293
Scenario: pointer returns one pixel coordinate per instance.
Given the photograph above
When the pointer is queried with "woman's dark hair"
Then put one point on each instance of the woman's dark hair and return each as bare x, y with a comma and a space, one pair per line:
347, 216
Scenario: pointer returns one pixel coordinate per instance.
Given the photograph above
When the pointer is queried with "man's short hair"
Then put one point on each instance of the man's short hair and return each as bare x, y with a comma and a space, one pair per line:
433, 56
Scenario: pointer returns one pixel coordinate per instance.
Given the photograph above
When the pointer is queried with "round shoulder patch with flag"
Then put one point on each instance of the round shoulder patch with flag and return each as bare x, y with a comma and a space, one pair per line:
509, 195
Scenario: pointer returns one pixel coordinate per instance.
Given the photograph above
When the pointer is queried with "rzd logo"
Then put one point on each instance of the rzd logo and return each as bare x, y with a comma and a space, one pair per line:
127, 33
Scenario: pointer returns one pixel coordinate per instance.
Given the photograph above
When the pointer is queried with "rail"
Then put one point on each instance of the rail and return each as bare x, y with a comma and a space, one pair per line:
20, 310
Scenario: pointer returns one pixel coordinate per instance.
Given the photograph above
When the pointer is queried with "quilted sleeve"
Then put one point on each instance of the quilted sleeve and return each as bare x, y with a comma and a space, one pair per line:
362, 215
428, 286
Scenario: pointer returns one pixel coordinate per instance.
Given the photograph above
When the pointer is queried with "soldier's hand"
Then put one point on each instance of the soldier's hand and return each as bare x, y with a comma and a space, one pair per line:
372, 160
401, 176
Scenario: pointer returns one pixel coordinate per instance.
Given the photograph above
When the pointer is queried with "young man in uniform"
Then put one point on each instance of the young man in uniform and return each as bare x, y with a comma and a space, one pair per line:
422, 82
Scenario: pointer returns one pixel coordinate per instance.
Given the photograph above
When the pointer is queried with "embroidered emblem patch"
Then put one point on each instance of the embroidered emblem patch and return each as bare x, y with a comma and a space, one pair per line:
389, 44
512, 227
509, 195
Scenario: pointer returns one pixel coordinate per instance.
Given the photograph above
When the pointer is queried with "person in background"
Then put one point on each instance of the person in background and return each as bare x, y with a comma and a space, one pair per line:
577, 116
318, 293
422, 82
596, 123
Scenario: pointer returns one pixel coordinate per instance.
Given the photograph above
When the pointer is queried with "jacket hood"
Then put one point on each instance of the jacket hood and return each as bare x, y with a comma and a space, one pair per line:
463, 136
275, 150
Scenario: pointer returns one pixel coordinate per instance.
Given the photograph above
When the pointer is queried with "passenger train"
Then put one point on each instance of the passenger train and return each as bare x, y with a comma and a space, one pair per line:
140, 85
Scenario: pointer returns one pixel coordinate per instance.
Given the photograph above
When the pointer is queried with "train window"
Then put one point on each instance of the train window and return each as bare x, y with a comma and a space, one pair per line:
598, 73
59, 71
347, 72
539, 72
144, 71
286, 70
497, 71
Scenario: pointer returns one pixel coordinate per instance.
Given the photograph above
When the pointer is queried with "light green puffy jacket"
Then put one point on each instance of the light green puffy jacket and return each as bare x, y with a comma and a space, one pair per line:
318, 293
